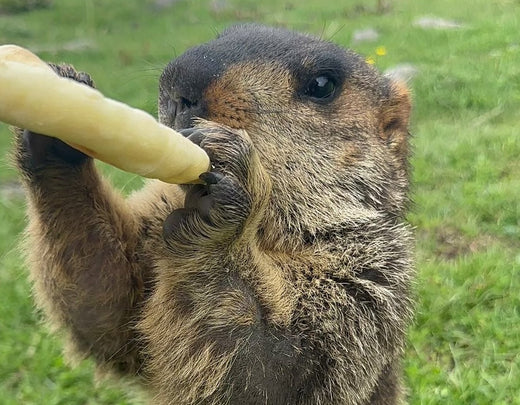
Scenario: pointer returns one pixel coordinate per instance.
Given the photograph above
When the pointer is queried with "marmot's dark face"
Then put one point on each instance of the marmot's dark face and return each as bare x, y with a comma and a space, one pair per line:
330, 130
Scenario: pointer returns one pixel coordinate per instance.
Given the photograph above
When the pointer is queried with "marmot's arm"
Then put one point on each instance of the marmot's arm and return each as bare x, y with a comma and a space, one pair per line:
83, 246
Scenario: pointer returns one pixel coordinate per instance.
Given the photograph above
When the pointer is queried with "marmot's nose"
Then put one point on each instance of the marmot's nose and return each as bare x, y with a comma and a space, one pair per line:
184, 110
183, 84
178, 111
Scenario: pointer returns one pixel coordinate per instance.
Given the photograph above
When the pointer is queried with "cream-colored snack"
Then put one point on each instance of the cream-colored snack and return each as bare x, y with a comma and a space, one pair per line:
32, 96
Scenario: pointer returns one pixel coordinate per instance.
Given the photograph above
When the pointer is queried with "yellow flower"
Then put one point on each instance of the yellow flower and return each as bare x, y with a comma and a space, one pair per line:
380, 51
370, 60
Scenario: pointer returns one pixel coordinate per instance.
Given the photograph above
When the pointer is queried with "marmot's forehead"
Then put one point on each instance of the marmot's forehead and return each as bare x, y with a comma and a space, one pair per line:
302, 55
257, 42
291, 49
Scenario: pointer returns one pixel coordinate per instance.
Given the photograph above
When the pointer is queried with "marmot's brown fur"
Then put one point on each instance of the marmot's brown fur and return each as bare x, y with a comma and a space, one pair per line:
285, 277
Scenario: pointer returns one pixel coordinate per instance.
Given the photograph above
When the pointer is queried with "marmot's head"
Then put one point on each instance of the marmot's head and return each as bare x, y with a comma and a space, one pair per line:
330, 130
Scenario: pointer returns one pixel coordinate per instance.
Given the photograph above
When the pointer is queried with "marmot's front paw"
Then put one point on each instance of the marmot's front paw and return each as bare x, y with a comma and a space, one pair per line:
38, 151
224, 201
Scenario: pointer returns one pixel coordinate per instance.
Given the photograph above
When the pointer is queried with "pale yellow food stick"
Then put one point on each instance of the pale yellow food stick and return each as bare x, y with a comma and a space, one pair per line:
33, 97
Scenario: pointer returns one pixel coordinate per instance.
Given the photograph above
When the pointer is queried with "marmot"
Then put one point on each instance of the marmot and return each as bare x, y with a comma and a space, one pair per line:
285, 278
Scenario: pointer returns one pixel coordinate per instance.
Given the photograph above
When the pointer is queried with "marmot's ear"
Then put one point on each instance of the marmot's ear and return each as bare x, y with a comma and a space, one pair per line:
395, 117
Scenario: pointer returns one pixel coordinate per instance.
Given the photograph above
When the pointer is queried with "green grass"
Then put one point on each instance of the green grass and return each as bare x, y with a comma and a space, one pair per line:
464, 347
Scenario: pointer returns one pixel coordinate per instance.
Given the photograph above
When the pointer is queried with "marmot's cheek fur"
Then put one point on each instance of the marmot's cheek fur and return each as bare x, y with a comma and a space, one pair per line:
285, 277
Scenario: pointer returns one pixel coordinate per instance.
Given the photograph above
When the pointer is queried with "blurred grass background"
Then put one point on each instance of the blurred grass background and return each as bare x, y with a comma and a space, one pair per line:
464, 346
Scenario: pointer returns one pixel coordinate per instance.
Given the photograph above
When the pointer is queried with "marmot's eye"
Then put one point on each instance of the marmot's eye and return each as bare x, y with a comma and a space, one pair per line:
321, 87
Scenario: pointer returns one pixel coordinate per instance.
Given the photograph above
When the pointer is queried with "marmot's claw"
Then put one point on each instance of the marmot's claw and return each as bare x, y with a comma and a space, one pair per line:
211, 177
221, 202
69, 72
193, 134
85, 78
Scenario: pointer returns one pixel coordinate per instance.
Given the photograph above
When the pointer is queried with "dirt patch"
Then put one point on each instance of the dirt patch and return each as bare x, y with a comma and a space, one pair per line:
437, 23
11, 190
452, 243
